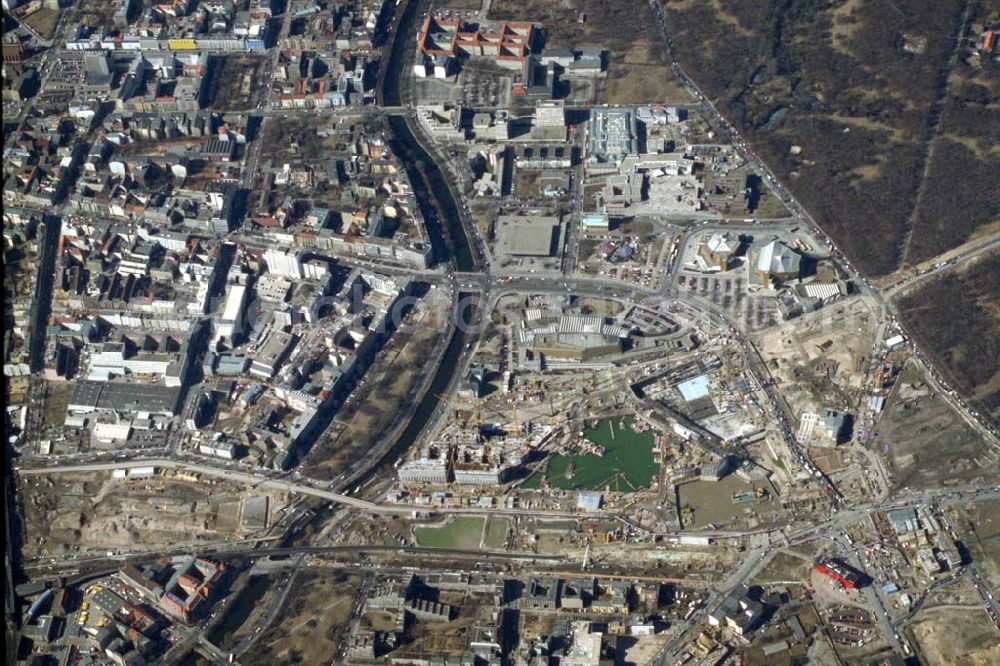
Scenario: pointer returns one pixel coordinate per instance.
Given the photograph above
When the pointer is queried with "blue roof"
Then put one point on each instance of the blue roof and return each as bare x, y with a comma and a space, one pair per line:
694, 388
588, 500
889, 588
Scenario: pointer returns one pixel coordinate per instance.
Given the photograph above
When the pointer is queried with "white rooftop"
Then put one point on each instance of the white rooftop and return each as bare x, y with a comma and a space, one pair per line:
723, 243
778, 258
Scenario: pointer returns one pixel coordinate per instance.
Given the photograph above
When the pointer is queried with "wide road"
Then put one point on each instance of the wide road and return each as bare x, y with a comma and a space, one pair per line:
286, 485
87, 568
941, 267
236, 476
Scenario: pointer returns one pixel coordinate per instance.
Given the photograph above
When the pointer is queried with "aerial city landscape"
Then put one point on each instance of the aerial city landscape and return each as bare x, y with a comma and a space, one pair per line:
502, 332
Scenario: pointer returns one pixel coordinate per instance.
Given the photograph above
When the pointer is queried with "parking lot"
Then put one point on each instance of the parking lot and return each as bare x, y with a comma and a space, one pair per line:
728, 291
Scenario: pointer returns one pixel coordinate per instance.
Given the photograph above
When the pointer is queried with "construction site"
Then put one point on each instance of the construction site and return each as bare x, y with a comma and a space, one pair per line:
821, 359
142, 508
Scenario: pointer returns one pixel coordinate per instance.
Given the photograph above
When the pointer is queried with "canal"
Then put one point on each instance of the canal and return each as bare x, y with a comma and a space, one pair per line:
433, 189
441, 213
238, 611
427, 406
444, 226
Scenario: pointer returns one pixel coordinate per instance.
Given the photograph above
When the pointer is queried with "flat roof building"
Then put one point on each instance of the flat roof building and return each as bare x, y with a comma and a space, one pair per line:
613, 135
903, 521
595, 222
230, 322
542, 594
550, 113
424, 470
589, 500
737, 611
272, 354
840, 572
528, 236
128, 398
826, 423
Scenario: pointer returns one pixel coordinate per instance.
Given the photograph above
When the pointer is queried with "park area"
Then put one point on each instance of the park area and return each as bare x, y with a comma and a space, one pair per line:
626, 466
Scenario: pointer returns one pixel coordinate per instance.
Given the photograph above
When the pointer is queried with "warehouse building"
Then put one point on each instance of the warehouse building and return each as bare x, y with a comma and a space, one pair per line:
124, 398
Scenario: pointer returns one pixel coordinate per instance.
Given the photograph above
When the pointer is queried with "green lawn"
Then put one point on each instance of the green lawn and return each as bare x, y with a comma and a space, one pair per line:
496, 533
627, 463
460, 532
533, 482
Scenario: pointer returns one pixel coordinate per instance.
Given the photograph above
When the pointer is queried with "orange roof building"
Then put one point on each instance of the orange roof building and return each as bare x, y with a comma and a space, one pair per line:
509, 46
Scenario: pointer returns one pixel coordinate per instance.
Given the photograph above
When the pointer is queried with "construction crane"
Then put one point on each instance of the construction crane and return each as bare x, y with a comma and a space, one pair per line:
517, 419
451, 403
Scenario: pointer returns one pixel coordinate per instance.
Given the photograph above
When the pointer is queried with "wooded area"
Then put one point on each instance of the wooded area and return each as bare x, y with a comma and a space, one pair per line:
954, 317
862, 88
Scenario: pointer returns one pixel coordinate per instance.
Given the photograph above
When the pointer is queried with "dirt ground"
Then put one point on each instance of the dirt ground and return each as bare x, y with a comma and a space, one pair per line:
236, 82
770, 207
77, 513
978, 525
307, 631
640, 75
953, 317
360, 423
57, 398
789, 565
956, 636
44, 21
449, 638
483, 213
466, 5
17, 389
600, 306
925, 441
294, 138
713, 504
814, 358
463, 532
526, 184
